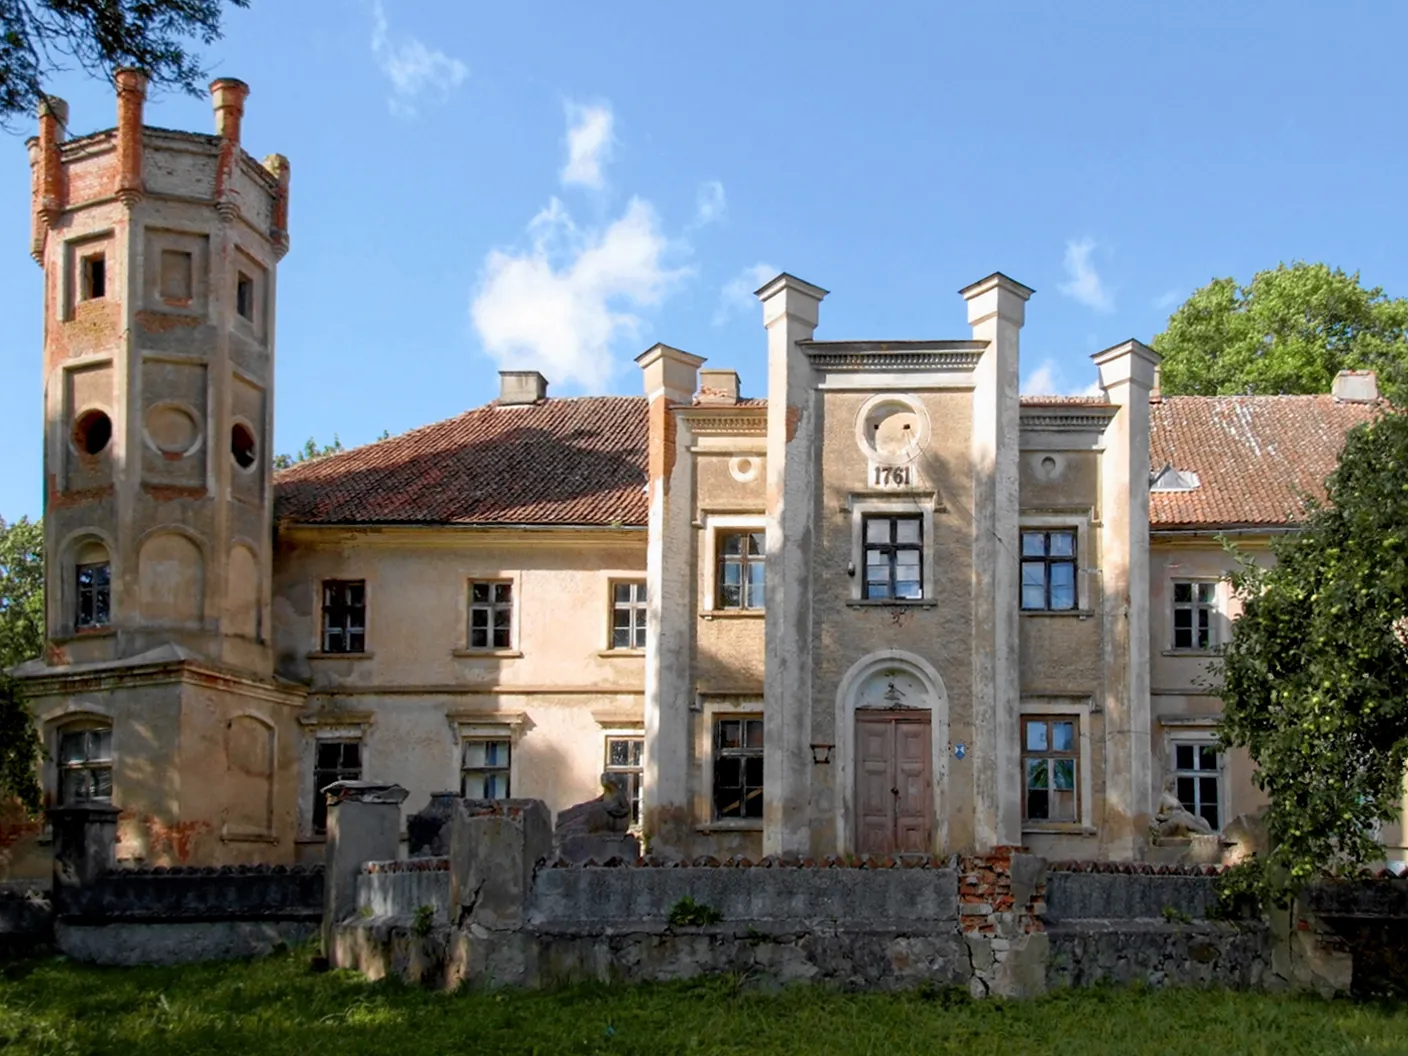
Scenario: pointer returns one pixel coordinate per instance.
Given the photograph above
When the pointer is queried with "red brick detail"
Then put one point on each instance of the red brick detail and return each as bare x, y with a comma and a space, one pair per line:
985, 891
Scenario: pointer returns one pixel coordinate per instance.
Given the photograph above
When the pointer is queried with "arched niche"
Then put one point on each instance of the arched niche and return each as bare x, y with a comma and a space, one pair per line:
171, 578
242, 593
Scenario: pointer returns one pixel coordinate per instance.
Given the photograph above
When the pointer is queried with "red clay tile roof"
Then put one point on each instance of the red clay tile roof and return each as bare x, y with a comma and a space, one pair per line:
1256, 457
578, 461
1042, 401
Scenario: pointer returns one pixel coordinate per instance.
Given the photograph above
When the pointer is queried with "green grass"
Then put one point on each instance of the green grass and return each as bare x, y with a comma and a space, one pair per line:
277, 1006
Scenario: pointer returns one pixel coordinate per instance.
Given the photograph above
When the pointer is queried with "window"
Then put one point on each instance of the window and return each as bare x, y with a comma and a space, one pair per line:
628, 615
92, 432
244, 296
738, 768
1049, 570
242, 445
1199, 779
94, 595
335, 761
491, 615
742, 563
1049, 752
93, 278
623, 756
174, 278
484, 768
344, 616
1194, 608
85, 765
894, 557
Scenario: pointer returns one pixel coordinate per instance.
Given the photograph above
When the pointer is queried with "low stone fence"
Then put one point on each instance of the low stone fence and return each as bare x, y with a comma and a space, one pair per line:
409, 890
26, 918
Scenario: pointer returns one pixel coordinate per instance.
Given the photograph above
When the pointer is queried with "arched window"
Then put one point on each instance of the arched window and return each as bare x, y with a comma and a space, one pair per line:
85, 763
92, 595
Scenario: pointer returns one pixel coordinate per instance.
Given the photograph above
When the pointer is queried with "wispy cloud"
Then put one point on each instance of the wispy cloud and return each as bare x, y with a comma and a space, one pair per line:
711, 204
416, 72
589, 142
1048, 380
736, 296
1167, 300
1083, 281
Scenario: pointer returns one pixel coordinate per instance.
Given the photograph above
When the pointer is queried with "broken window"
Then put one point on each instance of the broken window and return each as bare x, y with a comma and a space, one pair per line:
339, 760
738, 767
1198, 775
894, 558
1194, 612
344, 616
85, 765
1049, 570
244, 296
491, 615
628, 615
742, 564
94, 595
484, 768
623, 756
1050, 754
93, 278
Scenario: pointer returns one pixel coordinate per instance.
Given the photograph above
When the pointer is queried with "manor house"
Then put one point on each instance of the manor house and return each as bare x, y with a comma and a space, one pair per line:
884, 605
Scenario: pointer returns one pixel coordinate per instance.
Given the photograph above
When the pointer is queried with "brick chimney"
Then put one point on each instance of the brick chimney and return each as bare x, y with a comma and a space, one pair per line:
227, 96
521, 387
131, 94
718, 387
1355, 386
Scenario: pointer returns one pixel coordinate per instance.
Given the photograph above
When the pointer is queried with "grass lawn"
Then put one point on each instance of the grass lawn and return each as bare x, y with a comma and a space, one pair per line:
277, 1006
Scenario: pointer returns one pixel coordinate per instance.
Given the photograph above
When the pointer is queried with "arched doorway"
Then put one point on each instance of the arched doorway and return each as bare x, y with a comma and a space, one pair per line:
892, 725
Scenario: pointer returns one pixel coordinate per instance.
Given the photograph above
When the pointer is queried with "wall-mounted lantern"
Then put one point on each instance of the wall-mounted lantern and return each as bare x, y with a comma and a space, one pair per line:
821, 753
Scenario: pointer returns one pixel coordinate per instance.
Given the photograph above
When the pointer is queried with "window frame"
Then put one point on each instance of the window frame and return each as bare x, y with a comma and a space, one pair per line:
863, 506
348, 629
491, 607
892, 549
1199, 743
88, 764
718, 753
95, 591
245, 296
713, 526
638, 608
86, 264
319, 803
635, 784
1060, 707
1212, 607
1047, 561
502, 736
746, 559
1051, 755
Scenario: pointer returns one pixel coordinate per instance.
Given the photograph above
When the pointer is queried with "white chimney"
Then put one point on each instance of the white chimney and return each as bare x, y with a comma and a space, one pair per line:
520, 387
1355, 386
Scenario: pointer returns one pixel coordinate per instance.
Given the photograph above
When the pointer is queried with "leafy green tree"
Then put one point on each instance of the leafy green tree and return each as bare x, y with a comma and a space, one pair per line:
1290, 330
310, 450
38, 37
21, 638
1315, 679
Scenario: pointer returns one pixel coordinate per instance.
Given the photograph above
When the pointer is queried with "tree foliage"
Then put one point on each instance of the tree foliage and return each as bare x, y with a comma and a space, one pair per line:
1290, 330
1315, 679
40, 37
21, 638
310, 450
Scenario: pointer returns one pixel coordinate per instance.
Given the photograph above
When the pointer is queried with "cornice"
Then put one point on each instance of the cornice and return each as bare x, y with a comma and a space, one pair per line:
459, 536
724, 421
1072, 418
167, 672
893, 356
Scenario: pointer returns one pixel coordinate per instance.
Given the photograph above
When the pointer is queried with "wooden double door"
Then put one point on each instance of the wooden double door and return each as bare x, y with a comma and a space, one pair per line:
894, 782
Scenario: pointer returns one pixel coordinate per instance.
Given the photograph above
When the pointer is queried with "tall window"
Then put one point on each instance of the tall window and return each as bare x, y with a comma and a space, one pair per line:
1194, 609
1049, 570
484, 768
738, 767
894, 557
628, 615
94, 595
1199, 781
742, 562
623, 756
334, 761
1050, 753
85, 765
344, 616
491, 615
93, 283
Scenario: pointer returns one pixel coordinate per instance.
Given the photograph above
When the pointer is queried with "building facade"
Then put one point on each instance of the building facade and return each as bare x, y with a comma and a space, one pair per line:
889, 607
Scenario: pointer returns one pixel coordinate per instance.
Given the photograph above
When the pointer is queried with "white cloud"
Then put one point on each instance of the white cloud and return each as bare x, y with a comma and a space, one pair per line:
589, 143
560, 305
1048, 380
737, 294
1167, 299
711, 204
414, 70
1085, 284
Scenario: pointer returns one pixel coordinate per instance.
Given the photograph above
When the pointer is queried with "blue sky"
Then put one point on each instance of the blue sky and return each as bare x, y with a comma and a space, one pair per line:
560, 186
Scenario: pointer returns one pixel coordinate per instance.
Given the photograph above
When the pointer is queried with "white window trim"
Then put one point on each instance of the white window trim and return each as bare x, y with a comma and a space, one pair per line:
1084, 568
713, 525
862, 507
608, 586
712, 708
1218, 625
1191, 733
635, 733
1079, 707
515, 629
320, 629
349, 730
510, 731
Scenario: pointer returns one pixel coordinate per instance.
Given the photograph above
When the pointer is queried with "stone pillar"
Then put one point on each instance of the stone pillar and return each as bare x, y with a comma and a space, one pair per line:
670, 378
492, 860
364, 825
790, 312
131, 94
227, 96
996, 311
85, 847
53, 127
1128, 372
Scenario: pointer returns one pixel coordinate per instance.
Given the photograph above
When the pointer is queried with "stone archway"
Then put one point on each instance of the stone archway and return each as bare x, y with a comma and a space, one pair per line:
891, 706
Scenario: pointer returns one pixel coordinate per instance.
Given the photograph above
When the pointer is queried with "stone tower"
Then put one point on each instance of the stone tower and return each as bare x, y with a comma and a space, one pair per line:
156, 691
159, 250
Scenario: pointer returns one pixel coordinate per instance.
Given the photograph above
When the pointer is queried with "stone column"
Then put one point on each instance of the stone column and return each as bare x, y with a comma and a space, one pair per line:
1127, 374
790, 311
996, 311
670, 377
85, 847
364, 825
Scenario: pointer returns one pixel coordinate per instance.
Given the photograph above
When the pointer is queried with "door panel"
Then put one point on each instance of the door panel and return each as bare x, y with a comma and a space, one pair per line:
894, 800
914, 804
874, 769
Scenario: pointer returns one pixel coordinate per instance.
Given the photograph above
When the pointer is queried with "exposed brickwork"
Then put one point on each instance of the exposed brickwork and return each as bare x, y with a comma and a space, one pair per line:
987, 905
